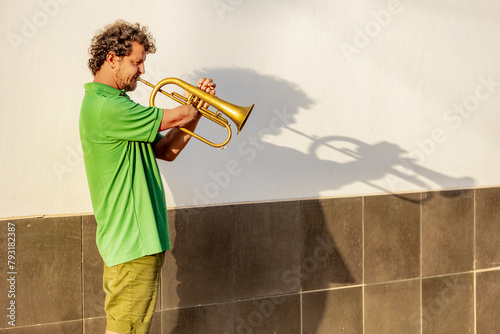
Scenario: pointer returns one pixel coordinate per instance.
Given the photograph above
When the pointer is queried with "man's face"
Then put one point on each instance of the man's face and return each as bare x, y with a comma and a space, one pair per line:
130, 67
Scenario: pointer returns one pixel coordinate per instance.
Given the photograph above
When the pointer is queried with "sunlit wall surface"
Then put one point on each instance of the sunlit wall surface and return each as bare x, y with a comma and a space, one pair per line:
351, 97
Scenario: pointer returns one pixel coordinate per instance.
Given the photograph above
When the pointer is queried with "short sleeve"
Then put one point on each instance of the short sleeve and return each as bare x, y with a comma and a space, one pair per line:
124, 119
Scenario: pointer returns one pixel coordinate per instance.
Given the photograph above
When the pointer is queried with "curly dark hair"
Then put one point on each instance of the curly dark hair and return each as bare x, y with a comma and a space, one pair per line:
118, 37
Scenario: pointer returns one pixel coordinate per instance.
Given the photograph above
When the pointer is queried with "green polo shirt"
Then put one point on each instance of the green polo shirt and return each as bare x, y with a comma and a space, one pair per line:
125, 186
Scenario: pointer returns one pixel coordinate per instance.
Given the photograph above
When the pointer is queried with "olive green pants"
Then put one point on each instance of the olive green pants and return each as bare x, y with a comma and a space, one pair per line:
131, 292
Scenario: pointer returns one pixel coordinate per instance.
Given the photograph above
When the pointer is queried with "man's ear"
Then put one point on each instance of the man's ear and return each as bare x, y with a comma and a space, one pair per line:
112, 59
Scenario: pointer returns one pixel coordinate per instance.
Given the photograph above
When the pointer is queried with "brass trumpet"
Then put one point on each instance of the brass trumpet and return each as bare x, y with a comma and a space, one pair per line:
197, 99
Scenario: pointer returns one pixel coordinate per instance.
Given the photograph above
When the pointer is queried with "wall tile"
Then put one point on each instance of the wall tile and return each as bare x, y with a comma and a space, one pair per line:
94, 325
448, 233
206, 319
70, 327
199, 268
487, 228
332, 243
268, 315
93, 266
48, 266
392, 238
393, 307
333, 311
488, 307
156, 324
448, 304
267, 248
267, 253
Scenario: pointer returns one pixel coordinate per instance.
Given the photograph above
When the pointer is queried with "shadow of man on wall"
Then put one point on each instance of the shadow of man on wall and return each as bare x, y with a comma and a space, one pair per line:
255, 162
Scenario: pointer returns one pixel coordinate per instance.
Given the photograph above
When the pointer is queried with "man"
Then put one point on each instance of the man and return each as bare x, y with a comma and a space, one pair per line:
121, 141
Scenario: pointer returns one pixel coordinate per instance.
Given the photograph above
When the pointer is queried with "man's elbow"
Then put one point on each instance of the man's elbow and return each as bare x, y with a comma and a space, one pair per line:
170, 158
167, 156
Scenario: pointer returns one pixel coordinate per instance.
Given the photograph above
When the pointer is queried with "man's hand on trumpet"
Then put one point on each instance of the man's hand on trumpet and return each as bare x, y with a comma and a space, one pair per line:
207, 85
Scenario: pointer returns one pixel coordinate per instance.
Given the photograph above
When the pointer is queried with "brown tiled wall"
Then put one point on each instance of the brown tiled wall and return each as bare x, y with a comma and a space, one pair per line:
399, 264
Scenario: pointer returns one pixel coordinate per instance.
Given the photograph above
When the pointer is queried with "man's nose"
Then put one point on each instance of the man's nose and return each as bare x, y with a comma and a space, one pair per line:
142, 69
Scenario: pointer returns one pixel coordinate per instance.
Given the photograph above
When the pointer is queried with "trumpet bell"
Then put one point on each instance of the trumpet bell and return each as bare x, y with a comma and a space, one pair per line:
239, 115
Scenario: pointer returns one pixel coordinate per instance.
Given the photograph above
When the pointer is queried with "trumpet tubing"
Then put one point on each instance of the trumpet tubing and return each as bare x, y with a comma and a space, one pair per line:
197, 98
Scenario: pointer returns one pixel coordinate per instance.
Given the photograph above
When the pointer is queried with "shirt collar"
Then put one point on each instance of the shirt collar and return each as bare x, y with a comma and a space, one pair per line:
100, 87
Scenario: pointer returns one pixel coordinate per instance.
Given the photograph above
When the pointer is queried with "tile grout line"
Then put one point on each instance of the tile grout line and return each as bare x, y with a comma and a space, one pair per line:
421, 265
233, 248
474, 260
301, 233
363, 260
82, 282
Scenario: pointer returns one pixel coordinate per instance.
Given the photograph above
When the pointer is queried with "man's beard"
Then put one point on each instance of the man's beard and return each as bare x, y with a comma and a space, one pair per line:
131, 86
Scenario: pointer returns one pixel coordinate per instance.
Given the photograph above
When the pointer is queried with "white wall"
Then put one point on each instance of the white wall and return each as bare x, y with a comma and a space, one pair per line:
347, 94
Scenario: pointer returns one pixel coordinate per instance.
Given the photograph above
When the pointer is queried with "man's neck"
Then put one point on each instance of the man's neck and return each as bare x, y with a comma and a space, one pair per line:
105, 77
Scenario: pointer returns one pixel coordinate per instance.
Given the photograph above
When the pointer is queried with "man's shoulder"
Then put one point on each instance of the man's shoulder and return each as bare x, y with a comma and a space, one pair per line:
100, 96
98, 89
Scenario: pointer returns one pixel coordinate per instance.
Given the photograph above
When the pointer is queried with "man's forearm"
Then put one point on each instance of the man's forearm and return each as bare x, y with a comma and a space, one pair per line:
169, 147
179, 116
